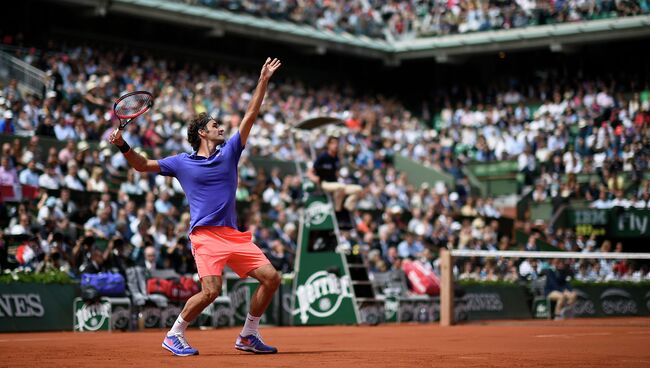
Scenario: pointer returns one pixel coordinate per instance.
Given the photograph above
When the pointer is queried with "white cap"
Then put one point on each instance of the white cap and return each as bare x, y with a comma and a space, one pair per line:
8, 114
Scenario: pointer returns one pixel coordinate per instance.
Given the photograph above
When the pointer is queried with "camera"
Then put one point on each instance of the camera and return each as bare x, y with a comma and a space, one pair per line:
88, 241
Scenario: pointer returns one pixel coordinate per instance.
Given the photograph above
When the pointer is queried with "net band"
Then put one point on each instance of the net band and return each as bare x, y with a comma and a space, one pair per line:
534, 254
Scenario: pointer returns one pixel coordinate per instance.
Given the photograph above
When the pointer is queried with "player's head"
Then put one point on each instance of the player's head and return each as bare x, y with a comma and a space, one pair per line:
332, 145
205, 127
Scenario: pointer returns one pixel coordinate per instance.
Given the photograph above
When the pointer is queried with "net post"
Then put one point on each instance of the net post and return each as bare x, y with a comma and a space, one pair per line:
447, 288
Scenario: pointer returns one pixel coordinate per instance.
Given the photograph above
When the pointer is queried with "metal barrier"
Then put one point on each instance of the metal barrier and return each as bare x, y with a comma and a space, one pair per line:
30, 78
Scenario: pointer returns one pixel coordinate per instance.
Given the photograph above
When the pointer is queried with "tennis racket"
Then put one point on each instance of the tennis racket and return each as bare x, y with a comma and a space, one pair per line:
132, 105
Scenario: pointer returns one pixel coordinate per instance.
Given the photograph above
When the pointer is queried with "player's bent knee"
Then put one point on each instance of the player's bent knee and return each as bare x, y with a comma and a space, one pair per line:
272, 280
209, 295
276, 280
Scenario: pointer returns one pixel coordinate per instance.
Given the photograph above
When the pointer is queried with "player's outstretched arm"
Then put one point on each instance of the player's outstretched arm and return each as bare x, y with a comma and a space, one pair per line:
136, 160
269, 67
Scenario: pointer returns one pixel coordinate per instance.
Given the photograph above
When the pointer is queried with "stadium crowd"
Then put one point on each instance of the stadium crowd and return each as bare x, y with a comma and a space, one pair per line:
399, 20
596, 128
142, 222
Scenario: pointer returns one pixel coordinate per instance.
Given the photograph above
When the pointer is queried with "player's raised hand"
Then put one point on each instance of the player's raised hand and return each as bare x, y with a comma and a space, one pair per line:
116, 137
269, 67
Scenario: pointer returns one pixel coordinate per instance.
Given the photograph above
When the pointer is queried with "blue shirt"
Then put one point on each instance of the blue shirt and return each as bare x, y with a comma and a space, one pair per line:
209, 183
404, 249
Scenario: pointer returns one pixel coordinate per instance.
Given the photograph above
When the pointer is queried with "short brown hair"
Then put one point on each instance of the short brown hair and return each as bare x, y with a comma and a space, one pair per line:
199, 122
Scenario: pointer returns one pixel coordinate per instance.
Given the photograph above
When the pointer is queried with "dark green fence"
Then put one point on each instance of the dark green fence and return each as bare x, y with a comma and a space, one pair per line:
36, 307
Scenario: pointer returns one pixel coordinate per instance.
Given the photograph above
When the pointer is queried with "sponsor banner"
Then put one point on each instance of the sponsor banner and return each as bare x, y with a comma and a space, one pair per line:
36, 307
616, 222
318, 215
323, 293
92, 316
631, 223
240, 292
321, 296
608, 301
391, 309
482, 302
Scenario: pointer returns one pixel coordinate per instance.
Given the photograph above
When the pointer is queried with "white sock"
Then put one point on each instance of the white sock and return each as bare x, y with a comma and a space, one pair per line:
179, 327
251, 325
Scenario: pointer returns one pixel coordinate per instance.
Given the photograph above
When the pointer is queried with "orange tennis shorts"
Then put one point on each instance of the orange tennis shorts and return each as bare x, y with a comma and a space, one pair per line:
214, 247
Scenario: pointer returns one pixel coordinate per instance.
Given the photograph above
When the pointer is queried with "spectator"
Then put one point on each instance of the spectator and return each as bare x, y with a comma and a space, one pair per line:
65, 203
29, 176
23, 227
50, 179
150, 262
558, 288
64, 129
602, 202
116, 256
93, 264
130, 186
54, 261
529, 269
180, 257
279, 259
469, 272
410, 247
102, 225
48, 212
325, 172
7, 173
96, 183
7, 125
162, 204
71, 180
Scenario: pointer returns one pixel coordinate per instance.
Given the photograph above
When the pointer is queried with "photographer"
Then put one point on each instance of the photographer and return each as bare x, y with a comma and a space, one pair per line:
82, 251
116, 255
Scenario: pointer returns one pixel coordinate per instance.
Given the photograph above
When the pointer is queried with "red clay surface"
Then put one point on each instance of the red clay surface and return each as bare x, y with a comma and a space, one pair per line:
574, 343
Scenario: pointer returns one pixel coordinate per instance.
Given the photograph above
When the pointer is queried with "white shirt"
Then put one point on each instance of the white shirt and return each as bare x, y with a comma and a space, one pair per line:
72, 182
49, 182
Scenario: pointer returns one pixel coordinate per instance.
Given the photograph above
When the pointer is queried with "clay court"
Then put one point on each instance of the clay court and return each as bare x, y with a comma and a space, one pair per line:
574, 343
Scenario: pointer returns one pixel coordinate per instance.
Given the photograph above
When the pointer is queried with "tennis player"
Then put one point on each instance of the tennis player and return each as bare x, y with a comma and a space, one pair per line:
209, 178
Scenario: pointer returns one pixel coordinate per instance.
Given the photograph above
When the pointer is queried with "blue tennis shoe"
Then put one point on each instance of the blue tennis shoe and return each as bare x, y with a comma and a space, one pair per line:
178, 345
254, 344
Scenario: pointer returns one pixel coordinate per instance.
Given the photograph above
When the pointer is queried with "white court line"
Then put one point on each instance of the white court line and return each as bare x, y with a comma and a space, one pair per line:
23, 340
554, 335
638, 333
634, 361
570, 336
472, 357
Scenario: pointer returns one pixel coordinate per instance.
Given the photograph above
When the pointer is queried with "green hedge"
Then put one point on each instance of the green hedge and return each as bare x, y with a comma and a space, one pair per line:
576, 283
49, 277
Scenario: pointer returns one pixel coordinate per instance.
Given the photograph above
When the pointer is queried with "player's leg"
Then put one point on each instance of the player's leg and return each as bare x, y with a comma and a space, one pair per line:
175, 340
558, 298
269, 280
570, 296
249, 338
210, 290
338, 193
351, 192
248, 260
210, 256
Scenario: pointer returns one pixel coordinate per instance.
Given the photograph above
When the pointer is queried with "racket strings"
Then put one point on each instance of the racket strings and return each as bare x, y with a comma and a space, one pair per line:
133, 104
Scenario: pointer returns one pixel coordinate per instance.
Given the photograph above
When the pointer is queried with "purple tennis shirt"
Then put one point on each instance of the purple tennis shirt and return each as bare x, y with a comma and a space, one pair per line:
209, 183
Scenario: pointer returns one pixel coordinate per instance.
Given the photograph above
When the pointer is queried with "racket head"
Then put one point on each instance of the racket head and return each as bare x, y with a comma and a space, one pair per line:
132, 105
